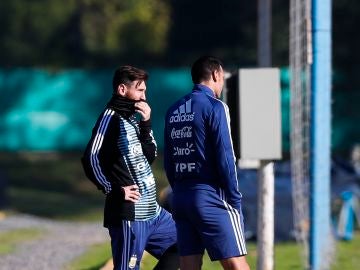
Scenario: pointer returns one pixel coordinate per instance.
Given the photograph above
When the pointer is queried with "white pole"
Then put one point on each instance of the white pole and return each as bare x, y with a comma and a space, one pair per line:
265, 221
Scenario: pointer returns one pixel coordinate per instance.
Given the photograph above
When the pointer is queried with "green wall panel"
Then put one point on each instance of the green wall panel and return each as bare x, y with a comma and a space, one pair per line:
43, 110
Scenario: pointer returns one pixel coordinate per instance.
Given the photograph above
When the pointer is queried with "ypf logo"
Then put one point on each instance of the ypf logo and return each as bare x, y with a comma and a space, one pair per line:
185, 167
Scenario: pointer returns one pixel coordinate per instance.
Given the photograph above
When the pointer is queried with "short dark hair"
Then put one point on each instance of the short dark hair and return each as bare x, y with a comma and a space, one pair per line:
127, 75
203, 67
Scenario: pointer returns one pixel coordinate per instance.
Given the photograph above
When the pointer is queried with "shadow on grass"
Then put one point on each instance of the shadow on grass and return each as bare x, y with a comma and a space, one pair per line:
56, 205
50, 185
53, 185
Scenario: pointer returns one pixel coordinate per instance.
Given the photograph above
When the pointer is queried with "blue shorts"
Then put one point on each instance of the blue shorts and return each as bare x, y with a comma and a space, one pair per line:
129, 241
205, 221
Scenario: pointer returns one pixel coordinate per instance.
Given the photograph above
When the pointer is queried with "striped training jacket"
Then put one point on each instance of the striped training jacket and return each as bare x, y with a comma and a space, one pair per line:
119, 154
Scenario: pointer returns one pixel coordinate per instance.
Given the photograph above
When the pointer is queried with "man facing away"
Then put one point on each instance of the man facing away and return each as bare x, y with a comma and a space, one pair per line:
117, 160
200, 165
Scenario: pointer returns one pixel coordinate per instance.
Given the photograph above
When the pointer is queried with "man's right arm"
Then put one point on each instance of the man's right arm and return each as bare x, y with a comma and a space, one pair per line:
99, 150
99, 157
224, 153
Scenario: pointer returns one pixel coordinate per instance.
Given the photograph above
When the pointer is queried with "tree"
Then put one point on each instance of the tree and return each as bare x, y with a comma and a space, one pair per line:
78, 33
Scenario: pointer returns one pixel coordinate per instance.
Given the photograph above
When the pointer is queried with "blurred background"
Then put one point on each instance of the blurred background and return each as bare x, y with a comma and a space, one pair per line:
56, 63
57, 59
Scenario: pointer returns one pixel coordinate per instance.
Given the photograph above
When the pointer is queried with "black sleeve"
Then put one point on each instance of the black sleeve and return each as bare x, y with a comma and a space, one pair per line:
147, 140
99, 155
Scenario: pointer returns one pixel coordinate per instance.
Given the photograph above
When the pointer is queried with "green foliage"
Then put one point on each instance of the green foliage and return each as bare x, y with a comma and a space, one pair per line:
31, 27
10, 239
89, 33
68, 32
58, 33
123, 26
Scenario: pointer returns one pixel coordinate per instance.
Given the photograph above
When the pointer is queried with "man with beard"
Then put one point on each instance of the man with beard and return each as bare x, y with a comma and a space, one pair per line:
117, 160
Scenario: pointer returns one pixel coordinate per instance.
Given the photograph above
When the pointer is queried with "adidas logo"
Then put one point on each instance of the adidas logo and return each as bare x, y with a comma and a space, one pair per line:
183, 113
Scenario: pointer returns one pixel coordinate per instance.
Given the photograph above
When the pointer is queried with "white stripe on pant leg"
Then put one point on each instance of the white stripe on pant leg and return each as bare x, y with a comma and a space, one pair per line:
239, 230
231, 219
126, 246
242, 238
123, 257
234, 228
235, 221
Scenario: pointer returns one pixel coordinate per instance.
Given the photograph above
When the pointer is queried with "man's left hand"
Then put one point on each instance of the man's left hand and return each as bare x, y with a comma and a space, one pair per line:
144, 109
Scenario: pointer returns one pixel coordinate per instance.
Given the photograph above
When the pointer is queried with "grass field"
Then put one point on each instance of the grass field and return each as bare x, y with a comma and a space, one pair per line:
287, 257
53, 185
10, 239
93, 259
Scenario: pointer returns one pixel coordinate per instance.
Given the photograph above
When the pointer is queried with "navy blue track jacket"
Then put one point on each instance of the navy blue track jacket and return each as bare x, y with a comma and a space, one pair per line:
198, 150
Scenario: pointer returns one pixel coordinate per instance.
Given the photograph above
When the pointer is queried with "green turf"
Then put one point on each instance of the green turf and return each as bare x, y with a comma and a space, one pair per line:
10, 239
287, 257
348, 254
93, 259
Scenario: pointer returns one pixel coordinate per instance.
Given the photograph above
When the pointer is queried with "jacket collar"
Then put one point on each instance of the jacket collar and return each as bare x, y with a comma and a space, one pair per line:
124, 106
204, 89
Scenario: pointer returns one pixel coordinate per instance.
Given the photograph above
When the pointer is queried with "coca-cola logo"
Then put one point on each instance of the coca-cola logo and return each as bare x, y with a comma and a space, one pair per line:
184, 132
